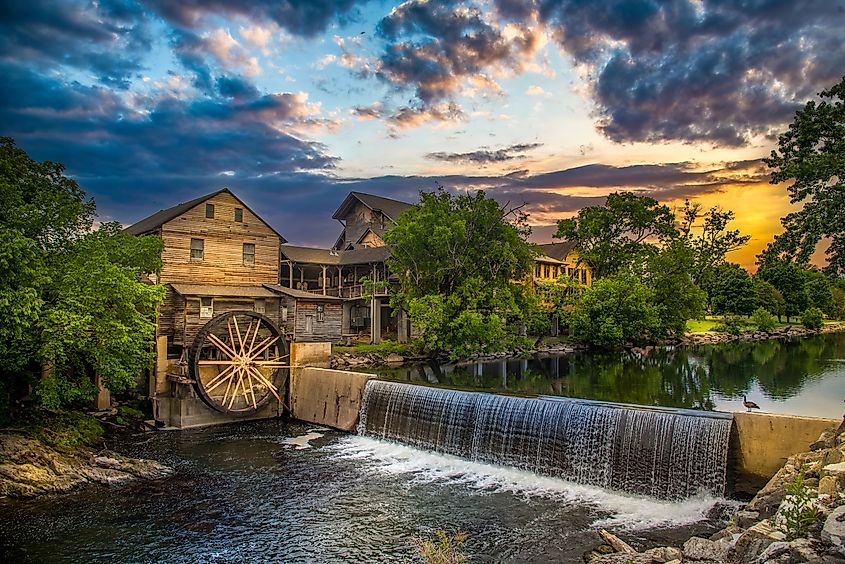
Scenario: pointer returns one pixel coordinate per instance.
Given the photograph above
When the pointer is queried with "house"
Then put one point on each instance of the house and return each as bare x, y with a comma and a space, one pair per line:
365, 218
559, 259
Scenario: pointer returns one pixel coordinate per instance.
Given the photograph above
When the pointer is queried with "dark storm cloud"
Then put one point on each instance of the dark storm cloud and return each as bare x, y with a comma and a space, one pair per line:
433, 47
101, 133
305, 18
713, 70
106, 39
486, 156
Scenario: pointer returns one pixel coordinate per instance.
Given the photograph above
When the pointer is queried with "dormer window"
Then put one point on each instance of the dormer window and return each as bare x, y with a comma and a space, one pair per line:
239, 214
209, 211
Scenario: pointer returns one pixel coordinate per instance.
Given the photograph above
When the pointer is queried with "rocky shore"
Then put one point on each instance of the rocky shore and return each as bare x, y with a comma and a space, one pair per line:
766, 529
351, 361
29, 468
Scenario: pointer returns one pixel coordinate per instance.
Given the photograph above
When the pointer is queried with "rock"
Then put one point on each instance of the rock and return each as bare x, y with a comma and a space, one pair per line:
828, 485
801, 550
664, 553
746, 518
623, 558
833, 531
774, 550
394, 358
755, 540
826, 440
698, 548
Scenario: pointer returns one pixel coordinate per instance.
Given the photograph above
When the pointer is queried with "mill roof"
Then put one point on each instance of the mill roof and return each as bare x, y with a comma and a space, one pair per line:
223, 291
301, 294
388, 206
156, 220
312, 255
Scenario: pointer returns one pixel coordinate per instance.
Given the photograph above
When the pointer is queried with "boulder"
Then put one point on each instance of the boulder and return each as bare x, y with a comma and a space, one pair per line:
745, 518
699, 549
394, 358
622, 558
755, 541
664, 554
833, 531
828, 485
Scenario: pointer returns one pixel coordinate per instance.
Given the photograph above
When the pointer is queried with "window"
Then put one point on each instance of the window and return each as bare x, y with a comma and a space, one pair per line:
197, 249
206, 308
249, 254
537, 271
239, 214
209, 211
321, 313
259, 306
545, 271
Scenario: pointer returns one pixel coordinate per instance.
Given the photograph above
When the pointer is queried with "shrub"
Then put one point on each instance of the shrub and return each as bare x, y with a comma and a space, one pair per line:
764, 320
813, 318
444, 549
798, 510
731, 325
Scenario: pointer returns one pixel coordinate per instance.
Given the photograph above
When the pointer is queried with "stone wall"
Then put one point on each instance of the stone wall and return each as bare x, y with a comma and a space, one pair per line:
327, 397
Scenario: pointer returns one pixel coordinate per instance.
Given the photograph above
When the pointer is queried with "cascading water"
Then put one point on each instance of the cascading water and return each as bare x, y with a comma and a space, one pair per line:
661, 453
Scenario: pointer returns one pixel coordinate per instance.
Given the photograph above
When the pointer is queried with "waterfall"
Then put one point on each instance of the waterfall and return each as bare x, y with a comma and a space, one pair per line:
668, 454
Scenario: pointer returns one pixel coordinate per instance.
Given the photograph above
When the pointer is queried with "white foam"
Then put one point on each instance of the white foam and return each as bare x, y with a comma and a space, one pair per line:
419, 466
302, 441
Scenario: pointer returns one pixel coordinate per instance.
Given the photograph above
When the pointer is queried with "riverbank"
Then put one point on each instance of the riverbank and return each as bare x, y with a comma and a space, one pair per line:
30, 468
799, 516
372, 356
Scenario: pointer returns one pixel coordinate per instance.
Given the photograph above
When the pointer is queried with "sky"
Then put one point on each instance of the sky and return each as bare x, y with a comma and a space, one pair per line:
294, 103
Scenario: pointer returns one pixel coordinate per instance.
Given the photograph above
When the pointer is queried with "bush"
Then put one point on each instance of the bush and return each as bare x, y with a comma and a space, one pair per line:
764, 320
798, 510
813, 318
444, 549
731, 325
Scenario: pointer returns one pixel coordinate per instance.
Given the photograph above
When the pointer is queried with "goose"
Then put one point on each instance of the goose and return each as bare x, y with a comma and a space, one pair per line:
749, 404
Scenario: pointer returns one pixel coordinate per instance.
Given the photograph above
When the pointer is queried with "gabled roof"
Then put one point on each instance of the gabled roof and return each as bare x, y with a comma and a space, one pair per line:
557, 251
155, 221
311, 255
389, 207
219, 290
301, 294
547, 260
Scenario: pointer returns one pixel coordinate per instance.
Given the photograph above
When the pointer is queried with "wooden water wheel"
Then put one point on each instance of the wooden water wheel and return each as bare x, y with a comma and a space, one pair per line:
239, 361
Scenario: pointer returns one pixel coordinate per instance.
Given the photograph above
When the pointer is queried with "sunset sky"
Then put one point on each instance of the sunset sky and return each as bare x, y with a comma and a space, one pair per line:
292, 103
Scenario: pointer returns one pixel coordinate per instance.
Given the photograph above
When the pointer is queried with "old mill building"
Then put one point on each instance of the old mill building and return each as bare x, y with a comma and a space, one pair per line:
220, 257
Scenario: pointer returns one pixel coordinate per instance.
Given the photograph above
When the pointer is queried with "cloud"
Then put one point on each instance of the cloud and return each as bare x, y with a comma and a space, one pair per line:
304, 18
105, 39
535, 90
486, 156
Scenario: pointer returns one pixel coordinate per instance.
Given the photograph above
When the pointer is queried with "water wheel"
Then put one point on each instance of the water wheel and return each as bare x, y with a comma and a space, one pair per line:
239, 361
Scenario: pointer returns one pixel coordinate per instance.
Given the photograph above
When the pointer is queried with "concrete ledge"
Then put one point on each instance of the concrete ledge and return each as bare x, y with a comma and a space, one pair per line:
316, 355
327, 397
184, 413
761, 443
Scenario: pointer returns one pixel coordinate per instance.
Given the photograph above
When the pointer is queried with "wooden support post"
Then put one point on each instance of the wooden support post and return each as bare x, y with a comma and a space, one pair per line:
290, 274
375, 320
324, 279
103, 398
339, 281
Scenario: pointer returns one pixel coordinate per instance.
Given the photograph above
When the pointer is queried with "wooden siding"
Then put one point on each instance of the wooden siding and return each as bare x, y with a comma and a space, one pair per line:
328, 330
223, 246
372, 240
188, 322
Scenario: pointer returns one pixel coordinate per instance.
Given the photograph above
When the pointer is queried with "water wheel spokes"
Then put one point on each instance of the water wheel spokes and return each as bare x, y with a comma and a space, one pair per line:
238, 357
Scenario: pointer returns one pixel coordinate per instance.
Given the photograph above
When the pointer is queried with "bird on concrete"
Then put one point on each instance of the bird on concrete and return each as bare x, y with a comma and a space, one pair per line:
749, 404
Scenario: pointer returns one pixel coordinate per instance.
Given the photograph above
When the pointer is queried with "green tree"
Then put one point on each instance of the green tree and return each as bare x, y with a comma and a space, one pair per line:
732, 290
675, 296
819, 291
811, 154
71, 299
768, 297
619, 234
713, 243
789, 279
764, 320
460, 261
617, 309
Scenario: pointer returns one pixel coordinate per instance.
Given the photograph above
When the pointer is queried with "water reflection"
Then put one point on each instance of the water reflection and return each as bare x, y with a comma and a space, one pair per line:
800, 376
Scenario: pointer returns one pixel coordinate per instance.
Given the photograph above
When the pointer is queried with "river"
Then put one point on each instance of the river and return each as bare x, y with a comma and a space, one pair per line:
801, 376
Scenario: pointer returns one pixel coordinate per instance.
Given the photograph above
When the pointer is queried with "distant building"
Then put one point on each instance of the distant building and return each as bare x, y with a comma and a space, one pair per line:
560, 259
365, 218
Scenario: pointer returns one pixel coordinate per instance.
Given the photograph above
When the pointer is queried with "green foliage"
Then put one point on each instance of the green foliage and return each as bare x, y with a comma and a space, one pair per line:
813, 318
459, 260
811, 154
618, 309
443, 548
72, 301
732, 290
798, 510
764, 320
732, 325
768, 297
675, 296
819, 291
383, 348
618, 235
789, 279
837, 299
66, 430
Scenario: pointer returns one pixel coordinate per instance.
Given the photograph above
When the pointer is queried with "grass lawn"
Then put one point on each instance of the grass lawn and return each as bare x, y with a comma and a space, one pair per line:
706, 325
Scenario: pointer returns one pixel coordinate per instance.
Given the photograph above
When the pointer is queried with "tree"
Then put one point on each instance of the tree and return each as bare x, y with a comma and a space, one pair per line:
460, 260
675, 296
617, 309
769, 298
713, 244
619, 234
732, 290
811, 154
70, 299
819, 293
789, 279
